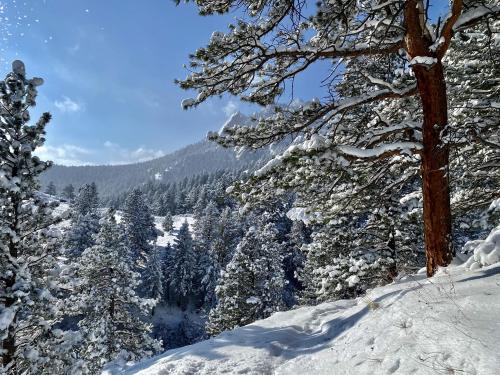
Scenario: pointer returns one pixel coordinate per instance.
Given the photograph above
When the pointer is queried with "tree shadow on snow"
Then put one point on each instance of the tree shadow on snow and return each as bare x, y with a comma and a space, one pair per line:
285, 342
482, 274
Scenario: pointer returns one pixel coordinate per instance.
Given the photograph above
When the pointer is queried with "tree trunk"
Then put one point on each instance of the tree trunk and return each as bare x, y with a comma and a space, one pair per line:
435, 154
435, 167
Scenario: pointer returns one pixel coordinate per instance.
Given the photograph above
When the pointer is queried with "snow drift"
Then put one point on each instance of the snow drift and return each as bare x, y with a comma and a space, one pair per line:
448, 324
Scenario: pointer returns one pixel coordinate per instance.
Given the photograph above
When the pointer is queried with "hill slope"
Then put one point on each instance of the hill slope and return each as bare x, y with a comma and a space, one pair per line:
449, 324
199, 158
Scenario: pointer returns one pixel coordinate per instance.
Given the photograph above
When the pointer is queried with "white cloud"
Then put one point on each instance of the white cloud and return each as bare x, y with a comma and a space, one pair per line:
230, 108
74, 49
123, 155
68, 105
141, 154
111, 153
65, 154
110, 144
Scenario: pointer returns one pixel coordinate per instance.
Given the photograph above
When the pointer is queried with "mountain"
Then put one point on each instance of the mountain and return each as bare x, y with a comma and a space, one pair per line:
199, 158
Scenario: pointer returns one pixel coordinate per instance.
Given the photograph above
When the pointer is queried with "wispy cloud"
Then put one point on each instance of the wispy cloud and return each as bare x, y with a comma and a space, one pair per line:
123, 155
66, 154
68, 105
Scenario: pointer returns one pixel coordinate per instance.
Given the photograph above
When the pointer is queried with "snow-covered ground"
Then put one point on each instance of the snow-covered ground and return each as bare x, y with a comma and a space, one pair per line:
448, 324
167, 238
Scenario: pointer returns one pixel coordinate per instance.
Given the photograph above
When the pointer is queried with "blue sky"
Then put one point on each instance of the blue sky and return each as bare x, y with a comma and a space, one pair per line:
109, 67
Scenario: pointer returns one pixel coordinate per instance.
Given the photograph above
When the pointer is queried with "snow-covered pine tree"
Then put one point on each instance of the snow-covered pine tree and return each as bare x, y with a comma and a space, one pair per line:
182, 267
87, 200
51, 189
251, 286
204, 227
68, 192
28, 244
474, 124
85, 221
140, 228
404, 52
294, 259
81, 234
106, 299
225, 237
152, 279
168, 222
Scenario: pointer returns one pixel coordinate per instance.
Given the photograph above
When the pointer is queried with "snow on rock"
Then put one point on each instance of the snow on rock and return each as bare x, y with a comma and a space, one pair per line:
443, 325
486, 252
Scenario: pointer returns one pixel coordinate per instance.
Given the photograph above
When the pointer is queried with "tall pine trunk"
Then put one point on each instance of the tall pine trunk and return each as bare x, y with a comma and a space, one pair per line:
435, 167
435, 154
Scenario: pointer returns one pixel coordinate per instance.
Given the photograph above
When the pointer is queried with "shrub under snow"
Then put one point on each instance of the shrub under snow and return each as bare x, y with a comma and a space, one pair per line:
486, 252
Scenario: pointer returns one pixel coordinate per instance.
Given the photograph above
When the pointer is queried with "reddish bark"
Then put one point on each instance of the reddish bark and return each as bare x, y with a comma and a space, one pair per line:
435, 164
435, 154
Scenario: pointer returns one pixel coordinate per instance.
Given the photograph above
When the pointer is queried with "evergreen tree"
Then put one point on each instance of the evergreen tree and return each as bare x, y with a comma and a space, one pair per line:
382, 53
51, 189
294, 260
225, 237
111, 311
139, 226
87, 200
80, 235
204, 227
168, 222
29, 276
251, 286
152, 281
69, 192
182, 273
85, 220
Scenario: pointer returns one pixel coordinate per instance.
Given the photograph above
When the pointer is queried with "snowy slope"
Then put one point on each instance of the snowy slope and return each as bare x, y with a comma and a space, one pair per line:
449, 324
167, 238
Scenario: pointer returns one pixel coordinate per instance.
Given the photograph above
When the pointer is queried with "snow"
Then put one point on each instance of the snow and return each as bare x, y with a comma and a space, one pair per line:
168, 238
447, 324
475, 13
189, 102
6, 317
486, 252
423, 60
362, 153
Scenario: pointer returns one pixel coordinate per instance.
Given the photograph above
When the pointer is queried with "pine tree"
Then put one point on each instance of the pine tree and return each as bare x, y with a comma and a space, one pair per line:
111, 311
87, 200
69, 192
225, 237
152, 281
251, 286
80, 235
51, 189
182, 273
29, 244
168, 222
392, 53
140, 228
294, 260
85, 221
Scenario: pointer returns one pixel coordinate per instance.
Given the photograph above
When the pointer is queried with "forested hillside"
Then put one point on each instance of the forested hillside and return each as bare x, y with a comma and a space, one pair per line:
196, 159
